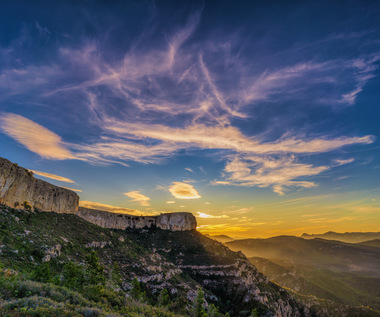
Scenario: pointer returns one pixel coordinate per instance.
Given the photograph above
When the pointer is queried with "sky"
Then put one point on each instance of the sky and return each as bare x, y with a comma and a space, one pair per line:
259, 117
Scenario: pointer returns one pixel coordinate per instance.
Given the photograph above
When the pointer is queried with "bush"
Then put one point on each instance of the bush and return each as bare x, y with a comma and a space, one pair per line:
42, 273
27, 206
73, 276
163, 298
95, 271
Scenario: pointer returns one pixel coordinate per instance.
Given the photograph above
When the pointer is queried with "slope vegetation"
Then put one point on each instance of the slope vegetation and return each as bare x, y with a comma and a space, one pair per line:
45, 253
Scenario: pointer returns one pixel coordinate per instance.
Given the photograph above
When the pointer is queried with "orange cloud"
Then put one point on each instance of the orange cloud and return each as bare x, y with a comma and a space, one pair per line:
73, 189
52, 176
114, 209
183, 191
220, 229
204, 215
34, 137
138, 197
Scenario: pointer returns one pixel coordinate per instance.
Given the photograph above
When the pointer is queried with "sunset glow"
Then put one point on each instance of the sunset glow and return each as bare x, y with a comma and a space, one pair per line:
260, 122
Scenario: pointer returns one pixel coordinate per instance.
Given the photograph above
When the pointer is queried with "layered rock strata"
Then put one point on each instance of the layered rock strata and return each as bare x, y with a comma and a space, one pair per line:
18, 185
178, 221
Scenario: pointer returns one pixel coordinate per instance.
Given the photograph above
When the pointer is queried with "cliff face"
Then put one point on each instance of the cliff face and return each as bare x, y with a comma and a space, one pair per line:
179, 221
18, 185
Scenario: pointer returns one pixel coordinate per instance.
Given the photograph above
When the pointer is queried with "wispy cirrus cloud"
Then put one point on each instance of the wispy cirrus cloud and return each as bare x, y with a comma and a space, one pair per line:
364, 70
261, 172
114, 209
254, 165
343, 162
53, 176
73, 189
34, 137
150, 102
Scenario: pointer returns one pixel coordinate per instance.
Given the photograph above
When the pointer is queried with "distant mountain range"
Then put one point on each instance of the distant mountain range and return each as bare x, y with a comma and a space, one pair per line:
351, 237
221, 238
343, 272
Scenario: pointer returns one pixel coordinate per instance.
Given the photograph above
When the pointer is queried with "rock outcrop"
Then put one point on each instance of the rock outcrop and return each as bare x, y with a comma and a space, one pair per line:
178, 221
18, 185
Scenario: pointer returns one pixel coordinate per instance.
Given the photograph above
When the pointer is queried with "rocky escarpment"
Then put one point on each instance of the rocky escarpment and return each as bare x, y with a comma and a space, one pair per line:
179, 221
18, 185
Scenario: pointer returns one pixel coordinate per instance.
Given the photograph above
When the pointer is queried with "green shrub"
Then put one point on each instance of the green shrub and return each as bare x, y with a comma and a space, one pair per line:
42, 273
163, 298
94, 271
27, 206
198, 305
73, 276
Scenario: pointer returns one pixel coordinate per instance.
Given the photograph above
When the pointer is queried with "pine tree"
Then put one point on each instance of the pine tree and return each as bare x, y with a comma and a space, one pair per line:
163, 298
198, 305
213, 311
136, 289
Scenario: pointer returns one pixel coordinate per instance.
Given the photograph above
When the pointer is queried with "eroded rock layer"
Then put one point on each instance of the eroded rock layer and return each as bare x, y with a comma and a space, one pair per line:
179, 221
18, 185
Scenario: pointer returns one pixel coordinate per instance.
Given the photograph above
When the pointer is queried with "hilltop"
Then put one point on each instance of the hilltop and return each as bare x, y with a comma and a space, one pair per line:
221, 238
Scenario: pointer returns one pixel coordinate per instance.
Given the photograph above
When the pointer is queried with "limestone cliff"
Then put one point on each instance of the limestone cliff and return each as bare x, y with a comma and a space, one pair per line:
179, 221
18, 185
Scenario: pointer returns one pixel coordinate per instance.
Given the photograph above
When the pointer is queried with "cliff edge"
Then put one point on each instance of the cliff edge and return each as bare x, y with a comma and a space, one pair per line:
177, 221
18, 185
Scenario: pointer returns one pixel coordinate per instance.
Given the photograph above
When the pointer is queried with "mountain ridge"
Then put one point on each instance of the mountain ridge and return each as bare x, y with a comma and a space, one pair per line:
350, 237
340, 271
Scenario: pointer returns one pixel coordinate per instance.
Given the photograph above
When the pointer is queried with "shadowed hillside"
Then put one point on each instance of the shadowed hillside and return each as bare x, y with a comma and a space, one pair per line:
322, 254
338, 271
59, 250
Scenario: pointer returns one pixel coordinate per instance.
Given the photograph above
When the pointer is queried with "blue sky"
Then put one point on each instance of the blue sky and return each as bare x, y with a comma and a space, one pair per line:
220, 108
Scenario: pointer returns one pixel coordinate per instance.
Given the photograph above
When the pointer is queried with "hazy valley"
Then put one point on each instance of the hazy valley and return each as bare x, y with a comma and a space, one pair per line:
347, 273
